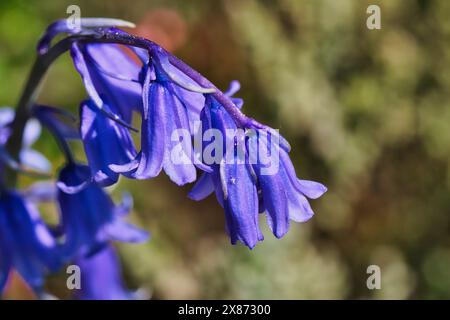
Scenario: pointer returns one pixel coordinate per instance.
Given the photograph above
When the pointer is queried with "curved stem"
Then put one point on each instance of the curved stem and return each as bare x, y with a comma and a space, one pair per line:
42, 63
241, 119
28, 98
118, 36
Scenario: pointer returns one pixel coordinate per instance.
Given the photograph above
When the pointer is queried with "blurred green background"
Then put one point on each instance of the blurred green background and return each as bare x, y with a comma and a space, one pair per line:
367, 113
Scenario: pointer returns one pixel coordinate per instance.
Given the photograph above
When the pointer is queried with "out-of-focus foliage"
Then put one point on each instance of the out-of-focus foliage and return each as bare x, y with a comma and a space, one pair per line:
367, 112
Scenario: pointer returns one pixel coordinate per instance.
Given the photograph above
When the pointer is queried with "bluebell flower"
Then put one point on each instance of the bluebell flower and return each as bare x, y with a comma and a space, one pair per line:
170, 103
111, 80
89, 216
243, 187
105, 142
234, 185
101, 277
26, 244
170, 96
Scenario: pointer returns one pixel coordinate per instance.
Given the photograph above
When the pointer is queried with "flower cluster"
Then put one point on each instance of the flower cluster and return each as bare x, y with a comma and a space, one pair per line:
133, 80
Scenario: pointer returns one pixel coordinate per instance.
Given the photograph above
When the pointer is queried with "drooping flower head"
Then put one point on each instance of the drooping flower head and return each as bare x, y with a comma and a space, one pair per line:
105, 142
172, 96
253, 173
89, 216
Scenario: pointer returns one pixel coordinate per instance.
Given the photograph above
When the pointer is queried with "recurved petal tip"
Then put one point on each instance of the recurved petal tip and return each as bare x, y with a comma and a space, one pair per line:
311, 189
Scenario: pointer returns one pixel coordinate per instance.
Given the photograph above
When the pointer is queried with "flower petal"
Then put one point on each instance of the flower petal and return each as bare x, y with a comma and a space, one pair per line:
116, 77
275, 203
35, 160
178, 158
126, 167
101, 277
105, 142
6, 116
202, 188
312, 189
74, 178
31, 132
84, 213
31, 247
241, 205
84, 68
238, 102
153, 131
125, 206
240, 197
42, 191
234, 87
298, 206
192, 101
272, 188
122, 231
